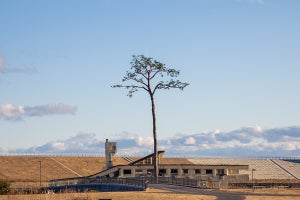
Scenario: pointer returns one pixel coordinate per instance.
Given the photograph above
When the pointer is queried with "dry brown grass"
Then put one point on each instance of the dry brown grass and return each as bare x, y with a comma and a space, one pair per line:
155, 194
24, 171
27, 168
273, 191
150, 194
271, 198
269, 194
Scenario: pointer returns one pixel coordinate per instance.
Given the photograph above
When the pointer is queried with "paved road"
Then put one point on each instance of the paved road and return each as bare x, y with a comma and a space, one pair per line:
221, 195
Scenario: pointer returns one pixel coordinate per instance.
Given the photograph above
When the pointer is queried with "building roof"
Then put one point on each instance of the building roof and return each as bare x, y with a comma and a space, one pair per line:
160, 154
175, 161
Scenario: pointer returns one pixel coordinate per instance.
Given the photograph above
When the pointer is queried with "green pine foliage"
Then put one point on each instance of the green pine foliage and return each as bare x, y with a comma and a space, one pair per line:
4, 187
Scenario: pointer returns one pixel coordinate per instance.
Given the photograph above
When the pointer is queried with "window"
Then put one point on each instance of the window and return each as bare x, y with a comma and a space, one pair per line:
138, 171
220, 172
162, 172
174, 171
148, 161
197, 171
127, 171
233, 171
150, 172
185, 171
208, 171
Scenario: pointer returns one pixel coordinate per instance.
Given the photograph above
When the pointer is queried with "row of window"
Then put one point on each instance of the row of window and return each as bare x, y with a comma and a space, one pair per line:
185, 171
197, 171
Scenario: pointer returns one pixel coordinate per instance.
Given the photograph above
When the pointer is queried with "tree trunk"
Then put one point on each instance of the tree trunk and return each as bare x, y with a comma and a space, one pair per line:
155, 157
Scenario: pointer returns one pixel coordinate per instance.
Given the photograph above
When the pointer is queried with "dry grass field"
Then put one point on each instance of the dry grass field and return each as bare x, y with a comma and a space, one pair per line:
271, 198
27, 168
150, 194
24, 171
268, 194
268, 191
155, 194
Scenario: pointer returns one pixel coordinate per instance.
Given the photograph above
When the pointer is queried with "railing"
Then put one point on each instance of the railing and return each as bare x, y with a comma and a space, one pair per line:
187, 182
262, 184
138, 182
247, 157
179, 181
54, 154
119, 155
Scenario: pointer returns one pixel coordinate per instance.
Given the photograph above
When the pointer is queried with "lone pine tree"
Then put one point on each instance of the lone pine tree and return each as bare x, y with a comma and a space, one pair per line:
150, 75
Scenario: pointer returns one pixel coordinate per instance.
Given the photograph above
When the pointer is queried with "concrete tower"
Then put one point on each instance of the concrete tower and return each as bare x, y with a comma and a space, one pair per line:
110, 151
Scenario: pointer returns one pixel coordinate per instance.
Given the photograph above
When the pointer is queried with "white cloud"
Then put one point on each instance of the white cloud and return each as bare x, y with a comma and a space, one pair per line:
10, 111
258, 129
289, 146
13, 112
190, 141
59, 146
244, 141
144, 141
50, 109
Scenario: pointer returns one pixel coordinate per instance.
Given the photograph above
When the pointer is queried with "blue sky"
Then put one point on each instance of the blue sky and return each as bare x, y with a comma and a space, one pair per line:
58, 60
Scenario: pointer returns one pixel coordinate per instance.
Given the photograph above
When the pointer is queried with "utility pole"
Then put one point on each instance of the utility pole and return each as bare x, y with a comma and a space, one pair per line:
40, 173
253, 180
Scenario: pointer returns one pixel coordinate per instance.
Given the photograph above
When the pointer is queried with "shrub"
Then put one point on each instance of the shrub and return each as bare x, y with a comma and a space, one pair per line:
4, 187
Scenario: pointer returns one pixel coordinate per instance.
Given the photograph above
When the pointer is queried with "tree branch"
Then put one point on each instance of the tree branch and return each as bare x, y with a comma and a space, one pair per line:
132, 88
154, 74
170, 84
156, 87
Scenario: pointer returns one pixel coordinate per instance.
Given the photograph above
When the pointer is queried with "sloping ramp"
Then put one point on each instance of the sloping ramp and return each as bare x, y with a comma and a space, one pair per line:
127, 159
289, 167
64, 166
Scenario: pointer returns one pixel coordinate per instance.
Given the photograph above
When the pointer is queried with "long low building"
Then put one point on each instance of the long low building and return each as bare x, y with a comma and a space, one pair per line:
173, 167
24, 170
180, 170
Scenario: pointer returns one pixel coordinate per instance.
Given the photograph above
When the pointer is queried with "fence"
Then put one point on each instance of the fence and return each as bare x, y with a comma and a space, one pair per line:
137, 155
53, 154
176, 181
137, 182
265, 185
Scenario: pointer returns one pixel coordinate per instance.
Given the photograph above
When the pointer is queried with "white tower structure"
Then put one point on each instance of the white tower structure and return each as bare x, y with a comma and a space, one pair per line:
110, 151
